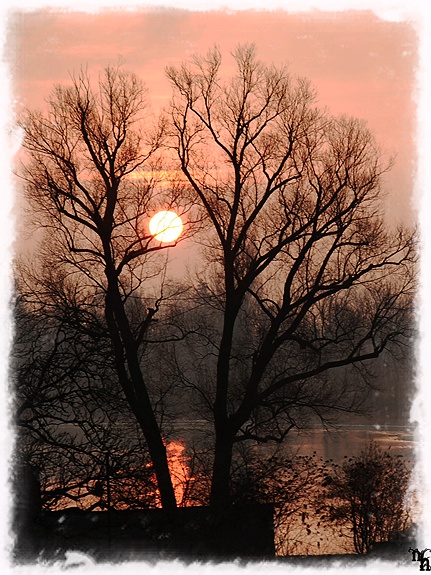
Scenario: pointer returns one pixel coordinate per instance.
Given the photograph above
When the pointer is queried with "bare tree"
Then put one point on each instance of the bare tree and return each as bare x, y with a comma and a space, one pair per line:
368, 495
93, 178
308, 282
69, 410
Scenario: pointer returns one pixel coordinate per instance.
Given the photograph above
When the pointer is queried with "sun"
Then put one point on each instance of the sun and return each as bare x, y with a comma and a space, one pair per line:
166, 226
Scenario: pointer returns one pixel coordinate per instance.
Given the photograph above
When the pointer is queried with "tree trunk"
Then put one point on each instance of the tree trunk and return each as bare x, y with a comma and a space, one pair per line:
132, 382
220, 496
220, 486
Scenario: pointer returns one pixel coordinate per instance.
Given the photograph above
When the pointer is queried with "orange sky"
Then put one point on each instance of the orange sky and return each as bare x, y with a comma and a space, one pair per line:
360, 65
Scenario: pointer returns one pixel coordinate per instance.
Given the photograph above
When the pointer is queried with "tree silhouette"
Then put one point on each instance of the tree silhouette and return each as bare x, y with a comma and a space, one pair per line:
307, 284
93, 178
368, 495
70, 414
307, 281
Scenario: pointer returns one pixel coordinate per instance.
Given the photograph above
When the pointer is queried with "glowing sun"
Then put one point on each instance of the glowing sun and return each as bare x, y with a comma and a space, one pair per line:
166, 226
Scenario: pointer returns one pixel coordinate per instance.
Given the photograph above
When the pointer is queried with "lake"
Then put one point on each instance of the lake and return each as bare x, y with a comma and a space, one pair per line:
335, 443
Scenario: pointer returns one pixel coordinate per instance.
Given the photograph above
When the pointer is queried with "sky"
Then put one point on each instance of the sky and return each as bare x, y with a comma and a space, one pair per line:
360, 64
365, 58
